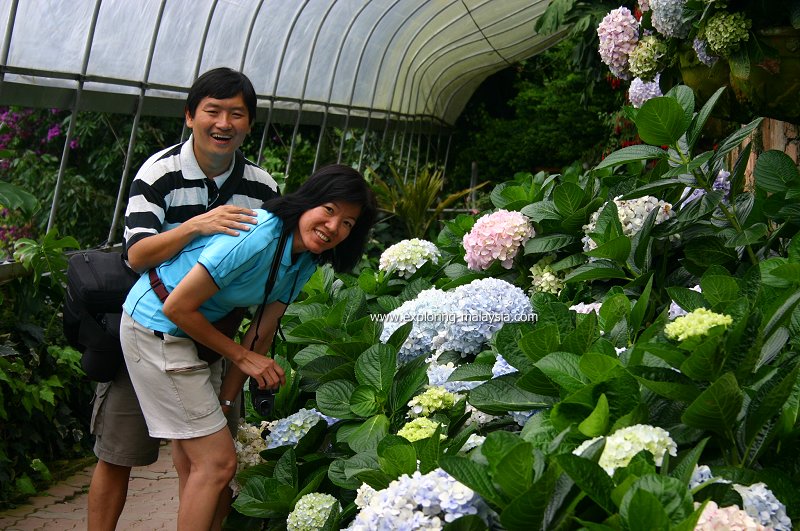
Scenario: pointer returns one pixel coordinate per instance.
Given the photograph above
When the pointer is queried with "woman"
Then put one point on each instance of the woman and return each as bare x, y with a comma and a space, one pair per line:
326, 220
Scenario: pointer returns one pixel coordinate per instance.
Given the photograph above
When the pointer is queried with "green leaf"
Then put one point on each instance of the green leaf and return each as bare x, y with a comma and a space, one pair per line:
590, 478
541, 211
548, 243
617, 249
655, 502
563, 369
513, 472
263, 497
13, 197
473, 475
717, 408
662, 121
500, 395
735, 139
739, 63
685, 97
769, 401
699, 122
717, 289
364, 401
686, 298
596, 423
639, 309
286, 469
397, 456
643, 510
594, 271
540, 342
667, 383
333, 399
775, 172
400, 335
471, 372
368, 435
567, 198
707, 251
411, 377
377, 367
632, 154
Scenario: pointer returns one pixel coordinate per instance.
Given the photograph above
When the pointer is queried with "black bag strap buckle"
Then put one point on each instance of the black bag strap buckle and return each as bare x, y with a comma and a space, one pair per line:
158, 287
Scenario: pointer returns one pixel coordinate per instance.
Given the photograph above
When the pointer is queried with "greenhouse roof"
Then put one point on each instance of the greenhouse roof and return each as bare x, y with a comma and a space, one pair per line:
394, 60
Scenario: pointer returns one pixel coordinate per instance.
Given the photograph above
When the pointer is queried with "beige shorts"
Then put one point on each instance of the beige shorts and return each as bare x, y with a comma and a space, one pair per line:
174, 386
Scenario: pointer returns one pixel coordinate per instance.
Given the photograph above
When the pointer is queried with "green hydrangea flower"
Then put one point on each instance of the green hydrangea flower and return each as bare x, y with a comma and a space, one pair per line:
725, 32
418, 429
544, 279
647, 59
311, 511
433, 399
696, 323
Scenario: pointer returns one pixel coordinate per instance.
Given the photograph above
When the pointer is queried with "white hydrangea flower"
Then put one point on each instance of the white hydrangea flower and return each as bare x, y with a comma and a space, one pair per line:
311, 511
585, 308
522, 417
478, 417
632, 214
761, 504
624, 443
419, 501
473, 441
641, 91
248, 444
644, 6
430, 401
544, 279
364, 494
407, 256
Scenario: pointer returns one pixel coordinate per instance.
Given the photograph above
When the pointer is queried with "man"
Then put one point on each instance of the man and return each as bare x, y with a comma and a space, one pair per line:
202, 186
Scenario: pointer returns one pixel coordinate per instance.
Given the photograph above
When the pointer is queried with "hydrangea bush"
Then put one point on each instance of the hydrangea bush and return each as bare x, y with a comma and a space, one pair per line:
407, 256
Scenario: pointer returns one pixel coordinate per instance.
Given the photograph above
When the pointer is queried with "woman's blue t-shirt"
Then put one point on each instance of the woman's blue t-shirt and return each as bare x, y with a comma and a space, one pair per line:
239, 265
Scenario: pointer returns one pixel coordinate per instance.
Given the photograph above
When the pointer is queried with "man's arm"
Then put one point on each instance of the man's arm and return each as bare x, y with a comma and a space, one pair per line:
153, 250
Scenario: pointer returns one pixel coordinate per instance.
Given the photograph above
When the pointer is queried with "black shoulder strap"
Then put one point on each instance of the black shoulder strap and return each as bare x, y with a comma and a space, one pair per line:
273, 273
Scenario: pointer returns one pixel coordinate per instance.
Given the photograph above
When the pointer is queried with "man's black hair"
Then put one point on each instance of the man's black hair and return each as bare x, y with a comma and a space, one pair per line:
336, 182
222, 83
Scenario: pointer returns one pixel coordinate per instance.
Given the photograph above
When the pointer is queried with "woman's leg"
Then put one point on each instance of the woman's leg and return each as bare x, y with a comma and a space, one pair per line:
182, 465
212, 464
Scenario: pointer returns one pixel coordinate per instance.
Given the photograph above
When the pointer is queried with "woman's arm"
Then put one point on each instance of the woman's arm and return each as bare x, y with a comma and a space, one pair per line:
235, 378
183, 308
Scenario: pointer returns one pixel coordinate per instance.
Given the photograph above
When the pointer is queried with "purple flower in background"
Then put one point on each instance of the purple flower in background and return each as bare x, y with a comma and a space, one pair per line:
53, 132
74, 143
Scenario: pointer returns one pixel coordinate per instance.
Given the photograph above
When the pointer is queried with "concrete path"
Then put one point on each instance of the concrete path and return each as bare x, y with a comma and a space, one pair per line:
152, 501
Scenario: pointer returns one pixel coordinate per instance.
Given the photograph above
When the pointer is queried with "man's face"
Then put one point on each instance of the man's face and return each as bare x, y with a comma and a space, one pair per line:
219, 127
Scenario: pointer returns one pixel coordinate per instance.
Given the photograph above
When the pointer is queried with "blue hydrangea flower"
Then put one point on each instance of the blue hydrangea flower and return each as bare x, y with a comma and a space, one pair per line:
704, 53
501, 367
419, 501
762, 505
427, 312
290, 430
667, 18
438, 375
480, 309
641, 91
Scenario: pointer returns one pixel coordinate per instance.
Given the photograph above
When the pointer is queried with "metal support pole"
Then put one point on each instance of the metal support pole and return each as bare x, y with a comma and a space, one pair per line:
12, 16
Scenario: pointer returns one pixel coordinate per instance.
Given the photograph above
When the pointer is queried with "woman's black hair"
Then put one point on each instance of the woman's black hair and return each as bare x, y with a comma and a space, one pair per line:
335, 182
221, 84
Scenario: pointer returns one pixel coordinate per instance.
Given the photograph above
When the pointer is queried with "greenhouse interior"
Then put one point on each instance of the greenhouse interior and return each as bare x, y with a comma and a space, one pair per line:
399, 264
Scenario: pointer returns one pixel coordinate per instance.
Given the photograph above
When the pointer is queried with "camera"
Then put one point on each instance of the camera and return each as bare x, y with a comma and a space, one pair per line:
263, 399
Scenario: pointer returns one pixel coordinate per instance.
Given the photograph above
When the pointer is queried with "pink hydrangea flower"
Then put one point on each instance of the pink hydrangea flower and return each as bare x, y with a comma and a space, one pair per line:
497, 236
731, 518
618, 33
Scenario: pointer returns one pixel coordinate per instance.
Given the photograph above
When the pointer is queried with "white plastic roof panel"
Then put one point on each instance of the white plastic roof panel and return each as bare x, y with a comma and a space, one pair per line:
396, 60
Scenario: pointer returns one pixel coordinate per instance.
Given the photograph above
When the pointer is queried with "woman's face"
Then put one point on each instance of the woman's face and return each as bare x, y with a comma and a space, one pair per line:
325, 226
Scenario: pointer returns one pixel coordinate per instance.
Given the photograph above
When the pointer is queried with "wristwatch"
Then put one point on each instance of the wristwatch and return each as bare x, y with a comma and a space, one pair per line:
228, 403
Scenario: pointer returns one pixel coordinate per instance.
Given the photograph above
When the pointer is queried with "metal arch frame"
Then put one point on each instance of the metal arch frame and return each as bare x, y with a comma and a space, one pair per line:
312, 49
257, 12
377, 71
551, 40
402, 63
12, 17
135, 126
200, 53
332, 80
442, 51
278, 70
73, 117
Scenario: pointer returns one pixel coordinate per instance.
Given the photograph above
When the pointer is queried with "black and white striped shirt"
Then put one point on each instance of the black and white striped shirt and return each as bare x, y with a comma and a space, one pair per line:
170, 188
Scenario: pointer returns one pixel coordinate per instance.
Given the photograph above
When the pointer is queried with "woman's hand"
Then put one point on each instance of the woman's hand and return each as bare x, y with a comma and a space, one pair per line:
264, 370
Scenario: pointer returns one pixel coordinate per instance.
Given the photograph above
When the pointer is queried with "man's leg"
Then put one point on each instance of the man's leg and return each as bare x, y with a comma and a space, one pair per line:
107, 493
121, 442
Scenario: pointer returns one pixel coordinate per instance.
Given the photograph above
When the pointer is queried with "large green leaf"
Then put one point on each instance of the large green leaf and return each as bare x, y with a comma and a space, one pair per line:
662, 121
541, 211
471, 372
699, 121
501, 395
717, 408
410, 379
473, 475
594, 271
364, 401
541, 341
666, 382
656, 494
769, 400
596, 423
333, 399
563, 369
567, 198
734, 140
369, 434
548, 243
643, 510
776, 172
617, 249
718, 288
592, 480
686, 298
632, 154
397, 456
263, 497
13, 198
377, 367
